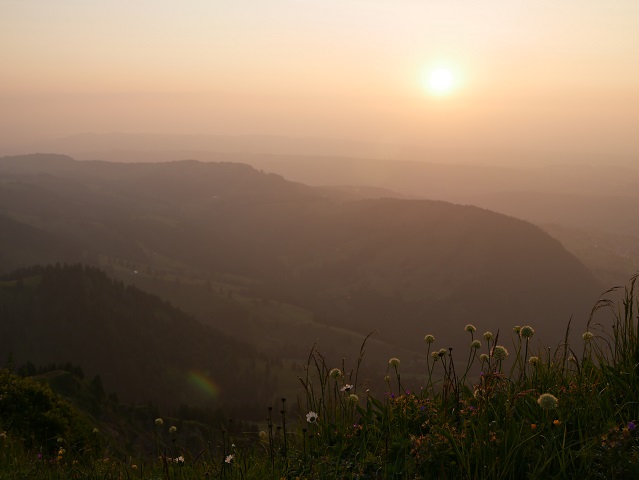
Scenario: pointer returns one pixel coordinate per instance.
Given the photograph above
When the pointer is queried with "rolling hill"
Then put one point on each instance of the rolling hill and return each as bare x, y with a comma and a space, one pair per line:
141, 347
403, 267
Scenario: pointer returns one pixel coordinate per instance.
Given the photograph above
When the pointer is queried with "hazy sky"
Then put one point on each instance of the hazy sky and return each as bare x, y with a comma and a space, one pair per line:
556, 74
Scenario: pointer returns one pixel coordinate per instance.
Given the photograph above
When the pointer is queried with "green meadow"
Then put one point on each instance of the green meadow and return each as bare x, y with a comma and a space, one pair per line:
504, 408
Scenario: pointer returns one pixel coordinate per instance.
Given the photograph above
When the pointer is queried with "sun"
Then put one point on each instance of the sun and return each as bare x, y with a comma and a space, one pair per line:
439, 81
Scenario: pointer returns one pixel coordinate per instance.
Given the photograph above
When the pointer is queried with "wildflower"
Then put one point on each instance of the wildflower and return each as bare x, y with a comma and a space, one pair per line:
173, 429
435, 355
335, 374
587, 336
179, 459
488, 336
61, 452
311, 417
533, 426
386, 378
95, 431
353, 398
3, 435
429, 338
547, 401
442, 352
134, 467
470, 328
159, 422
346, 388
262, 435
476, 344
534, 361
517, 329
394, 362
500, 352
483, 357
527, 331
556, 422
632, 426
229, 459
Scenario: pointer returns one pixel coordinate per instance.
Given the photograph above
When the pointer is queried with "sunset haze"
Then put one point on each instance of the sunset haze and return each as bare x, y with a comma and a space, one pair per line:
546, 76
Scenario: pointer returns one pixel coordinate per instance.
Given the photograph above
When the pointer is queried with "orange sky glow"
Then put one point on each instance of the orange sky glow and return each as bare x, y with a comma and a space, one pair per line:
556, 75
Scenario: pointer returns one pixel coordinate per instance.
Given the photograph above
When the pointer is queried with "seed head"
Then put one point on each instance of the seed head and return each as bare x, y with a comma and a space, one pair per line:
534, 361
335, 374
547, 401
500, 352
587, 336
527, 331
394, 362
429, 338
470, 328
476, 344
488, 336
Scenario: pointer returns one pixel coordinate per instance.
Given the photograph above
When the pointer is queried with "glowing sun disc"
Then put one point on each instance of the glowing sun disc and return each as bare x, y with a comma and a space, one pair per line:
440, 81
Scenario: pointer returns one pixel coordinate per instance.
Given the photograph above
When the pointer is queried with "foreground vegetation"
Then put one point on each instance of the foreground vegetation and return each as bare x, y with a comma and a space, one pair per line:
493, 412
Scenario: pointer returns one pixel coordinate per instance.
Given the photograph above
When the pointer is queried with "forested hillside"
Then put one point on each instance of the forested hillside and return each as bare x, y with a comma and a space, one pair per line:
141, 347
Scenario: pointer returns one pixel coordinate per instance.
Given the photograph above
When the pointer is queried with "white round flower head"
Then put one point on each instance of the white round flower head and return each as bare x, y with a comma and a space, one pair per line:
229, 459
159, 422
353, 398
429, 338
527, 331
483, 357
394, 362
442, 352
534, 361
172, 429
476, 344
500, 352
547, 401
311, 417
488, 336
470, 328
346, 388
335, 374
435, 355
587, 336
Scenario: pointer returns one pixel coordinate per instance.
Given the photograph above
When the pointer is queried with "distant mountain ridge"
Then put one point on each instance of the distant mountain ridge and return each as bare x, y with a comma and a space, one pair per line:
405, 267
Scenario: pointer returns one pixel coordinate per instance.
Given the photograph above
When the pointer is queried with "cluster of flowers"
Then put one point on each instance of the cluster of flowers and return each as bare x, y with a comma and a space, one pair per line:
337, 374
